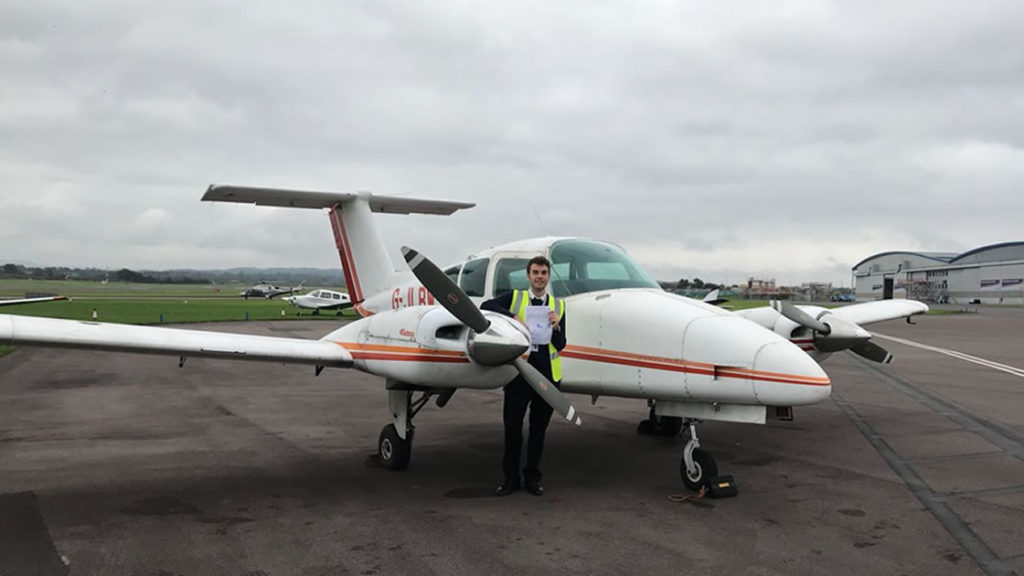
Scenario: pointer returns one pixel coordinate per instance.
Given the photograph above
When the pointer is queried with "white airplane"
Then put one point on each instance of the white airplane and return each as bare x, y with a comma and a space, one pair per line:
31, 300
318, 300
424, 334
267, 290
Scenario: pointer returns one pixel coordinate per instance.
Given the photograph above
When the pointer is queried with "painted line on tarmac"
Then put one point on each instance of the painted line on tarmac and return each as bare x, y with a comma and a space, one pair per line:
957, 527
980, 361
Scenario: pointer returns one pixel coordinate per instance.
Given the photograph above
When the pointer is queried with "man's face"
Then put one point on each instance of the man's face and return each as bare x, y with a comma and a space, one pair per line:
539, 276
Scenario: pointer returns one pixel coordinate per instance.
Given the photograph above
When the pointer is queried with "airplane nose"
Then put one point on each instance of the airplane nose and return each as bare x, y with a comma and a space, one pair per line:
784, 375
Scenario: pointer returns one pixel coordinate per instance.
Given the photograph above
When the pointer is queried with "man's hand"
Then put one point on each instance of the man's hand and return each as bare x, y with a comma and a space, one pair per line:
553, 318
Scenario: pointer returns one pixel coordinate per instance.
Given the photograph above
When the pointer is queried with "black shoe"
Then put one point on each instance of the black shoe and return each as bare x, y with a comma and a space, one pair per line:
506, 488
535, 488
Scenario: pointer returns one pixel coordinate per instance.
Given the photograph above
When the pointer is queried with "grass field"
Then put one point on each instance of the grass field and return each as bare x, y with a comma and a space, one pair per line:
18, 288
128, 303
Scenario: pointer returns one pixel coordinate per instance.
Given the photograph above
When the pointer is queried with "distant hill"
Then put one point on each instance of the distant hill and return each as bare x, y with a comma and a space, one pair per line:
309, 276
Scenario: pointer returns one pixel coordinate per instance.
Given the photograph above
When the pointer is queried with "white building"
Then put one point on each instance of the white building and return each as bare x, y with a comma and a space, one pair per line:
991, 275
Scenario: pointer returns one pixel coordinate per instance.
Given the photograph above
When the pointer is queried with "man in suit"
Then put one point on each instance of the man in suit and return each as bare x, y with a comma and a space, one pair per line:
544, 356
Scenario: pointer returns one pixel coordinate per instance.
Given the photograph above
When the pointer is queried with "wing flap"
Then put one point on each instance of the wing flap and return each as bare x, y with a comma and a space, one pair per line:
880, 311
307, 199
171, 341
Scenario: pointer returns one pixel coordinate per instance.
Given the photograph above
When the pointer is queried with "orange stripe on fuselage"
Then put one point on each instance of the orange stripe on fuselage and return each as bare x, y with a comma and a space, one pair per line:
402, 353
675, 365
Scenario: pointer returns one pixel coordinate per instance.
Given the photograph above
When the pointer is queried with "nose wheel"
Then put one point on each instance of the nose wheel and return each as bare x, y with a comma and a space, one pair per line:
697, 465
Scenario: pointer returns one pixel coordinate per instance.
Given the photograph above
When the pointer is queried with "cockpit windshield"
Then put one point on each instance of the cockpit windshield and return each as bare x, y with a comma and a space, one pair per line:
580, 266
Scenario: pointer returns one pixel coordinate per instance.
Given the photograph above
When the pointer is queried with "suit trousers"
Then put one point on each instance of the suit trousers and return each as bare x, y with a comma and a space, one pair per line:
518, 397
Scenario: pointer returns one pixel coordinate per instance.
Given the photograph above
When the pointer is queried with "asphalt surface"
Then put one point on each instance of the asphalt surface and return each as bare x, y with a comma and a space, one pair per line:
125, 464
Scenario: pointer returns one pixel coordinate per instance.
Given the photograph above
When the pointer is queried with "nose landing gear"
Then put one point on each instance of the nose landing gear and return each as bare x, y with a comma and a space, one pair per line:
697, 465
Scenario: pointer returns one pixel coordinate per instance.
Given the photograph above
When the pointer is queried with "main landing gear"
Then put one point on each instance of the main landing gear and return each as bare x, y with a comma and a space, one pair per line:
657, 425
394, 445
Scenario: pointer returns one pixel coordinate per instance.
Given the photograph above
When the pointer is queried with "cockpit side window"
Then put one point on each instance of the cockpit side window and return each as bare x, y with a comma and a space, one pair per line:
510, 274
474, 277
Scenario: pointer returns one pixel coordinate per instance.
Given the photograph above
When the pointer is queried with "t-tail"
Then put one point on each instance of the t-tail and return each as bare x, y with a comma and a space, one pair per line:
364, 257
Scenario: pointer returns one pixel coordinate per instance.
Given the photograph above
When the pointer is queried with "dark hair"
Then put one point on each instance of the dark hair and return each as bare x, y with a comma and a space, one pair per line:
538, 261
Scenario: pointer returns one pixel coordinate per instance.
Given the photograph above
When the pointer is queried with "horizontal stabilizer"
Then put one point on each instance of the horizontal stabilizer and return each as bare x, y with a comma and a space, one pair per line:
305, 199
171, 341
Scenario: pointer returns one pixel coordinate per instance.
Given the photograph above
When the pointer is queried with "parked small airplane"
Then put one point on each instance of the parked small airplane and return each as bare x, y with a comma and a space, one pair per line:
424, 334
267, 290
31, 300
318, 300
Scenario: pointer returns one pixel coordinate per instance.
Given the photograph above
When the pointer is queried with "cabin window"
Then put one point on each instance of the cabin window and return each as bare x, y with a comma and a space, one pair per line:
453, 273
336, 296
474, 277
510, 274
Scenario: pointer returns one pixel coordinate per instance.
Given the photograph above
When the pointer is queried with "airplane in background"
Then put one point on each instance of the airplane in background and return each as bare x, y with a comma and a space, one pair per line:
318, 300
267, 290
31, 300
425, 335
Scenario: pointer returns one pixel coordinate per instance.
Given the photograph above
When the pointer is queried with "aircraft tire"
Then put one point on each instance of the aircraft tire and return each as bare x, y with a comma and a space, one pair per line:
664, 426
392, 451
706, 468
670, 426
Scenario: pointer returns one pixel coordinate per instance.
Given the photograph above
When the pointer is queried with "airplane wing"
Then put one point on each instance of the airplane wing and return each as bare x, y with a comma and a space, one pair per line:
169, 341
30, 300
879, 311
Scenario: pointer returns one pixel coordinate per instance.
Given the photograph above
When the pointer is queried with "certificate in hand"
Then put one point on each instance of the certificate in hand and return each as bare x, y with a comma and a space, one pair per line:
539, 325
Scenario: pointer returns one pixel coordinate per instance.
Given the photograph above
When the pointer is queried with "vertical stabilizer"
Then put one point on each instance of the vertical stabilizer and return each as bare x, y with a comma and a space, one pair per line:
364, 257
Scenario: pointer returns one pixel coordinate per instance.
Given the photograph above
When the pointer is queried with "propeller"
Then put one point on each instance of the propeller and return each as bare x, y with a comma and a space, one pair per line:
834, 333
492, 344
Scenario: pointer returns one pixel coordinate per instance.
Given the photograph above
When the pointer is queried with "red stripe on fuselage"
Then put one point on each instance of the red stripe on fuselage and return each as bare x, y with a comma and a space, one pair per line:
676, 365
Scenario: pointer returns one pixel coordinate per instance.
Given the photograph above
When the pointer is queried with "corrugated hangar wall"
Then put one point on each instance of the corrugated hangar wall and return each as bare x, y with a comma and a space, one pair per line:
991, 274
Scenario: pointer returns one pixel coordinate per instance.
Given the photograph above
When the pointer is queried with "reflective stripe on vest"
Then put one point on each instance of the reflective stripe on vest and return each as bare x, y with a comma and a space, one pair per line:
520, 300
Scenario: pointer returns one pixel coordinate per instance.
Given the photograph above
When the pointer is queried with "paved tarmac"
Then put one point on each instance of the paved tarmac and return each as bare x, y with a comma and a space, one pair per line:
125, 464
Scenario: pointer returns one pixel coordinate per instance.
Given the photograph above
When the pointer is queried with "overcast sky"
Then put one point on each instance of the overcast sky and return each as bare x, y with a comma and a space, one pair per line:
718, 140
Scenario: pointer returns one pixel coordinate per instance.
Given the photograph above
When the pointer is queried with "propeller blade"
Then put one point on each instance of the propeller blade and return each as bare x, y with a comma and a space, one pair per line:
873, 352
547, 391
446, 292
800, 317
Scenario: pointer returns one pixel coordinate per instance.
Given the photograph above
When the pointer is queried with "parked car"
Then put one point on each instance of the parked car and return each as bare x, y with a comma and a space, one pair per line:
842, 298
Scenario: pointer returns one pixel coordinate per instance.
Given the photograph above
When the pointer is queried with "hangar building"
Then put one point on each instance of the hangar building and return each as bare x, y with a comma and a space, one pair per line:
990, 275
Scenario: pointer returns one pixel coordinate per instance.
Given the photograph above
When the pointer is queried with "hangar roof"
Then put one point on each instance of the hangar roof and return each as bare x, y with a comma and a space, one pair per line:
993, 253
943, 257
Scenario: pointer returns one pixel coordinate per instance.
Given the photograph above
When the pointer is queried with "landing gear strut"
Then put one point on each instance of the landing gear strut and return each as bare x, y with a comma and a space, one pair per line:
394, 445
697, 466
657, 425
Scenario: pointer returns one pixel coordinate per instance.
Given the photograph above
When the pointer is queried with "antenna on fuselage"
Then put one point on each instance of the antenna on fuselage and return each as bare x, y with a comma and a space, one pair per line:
554, 272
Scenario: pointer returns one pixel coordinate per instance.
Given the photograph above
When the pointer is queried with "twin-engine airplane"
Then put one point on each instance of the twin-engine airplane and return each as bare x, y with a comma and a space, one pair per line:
424, 334
317, 300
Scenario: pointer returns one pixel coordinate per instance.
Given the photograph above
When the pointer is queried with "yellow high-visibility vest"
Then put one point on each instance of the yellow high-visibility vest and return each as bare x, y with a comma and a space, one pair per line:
520, 300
